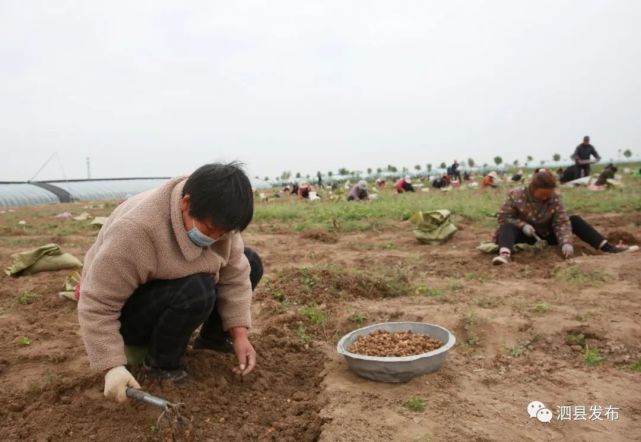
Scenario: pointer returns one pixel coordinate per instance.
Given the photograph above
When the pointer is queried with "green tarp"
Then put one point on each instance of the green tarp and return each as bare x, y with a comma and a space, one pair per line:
433, 227
99, 221
45, 258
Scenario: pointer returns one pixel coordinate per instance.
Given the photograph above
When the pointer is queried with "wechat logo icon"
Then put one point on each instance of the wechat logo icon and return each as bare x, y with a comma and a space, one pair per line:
537, 409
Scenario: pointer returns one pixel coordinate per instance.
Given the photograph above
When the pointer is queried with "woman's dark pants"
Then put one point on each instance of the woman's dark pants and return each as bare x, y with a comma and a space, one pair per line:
509, 234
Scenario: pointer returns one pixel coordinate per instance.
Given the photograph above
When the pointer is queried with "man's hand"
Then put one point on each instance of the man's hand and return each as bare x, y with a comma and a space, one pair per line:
567, 250
528, 230
244, 351
116, 382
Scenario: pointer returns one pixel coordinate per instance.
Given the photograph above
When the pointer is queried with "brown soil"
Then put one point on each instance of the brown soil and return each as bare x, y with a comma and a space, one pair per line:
521, 335
386, 344
320, 236
332, 284
277, 403
616, 236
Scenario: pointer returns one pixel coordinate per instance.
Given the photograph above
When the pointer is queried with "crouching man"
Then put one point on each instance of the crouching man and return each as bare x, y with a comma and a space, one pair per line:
165, 262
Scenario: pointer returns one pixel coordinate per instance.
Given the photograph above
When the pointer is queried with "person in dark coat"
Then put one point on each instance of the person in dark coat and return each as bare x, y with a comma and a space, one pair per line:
582, 154
454, 171
570, 173
607, 174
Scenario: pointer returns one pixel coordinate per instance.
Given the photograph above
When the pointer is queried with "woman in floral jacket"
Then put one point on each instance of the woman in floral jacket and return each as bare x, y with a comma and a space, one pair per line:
536, 211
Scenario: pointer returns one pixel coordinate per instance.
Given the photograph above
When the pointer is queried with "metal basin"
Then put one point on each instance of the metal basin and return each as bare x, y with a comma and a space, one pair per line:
397, 369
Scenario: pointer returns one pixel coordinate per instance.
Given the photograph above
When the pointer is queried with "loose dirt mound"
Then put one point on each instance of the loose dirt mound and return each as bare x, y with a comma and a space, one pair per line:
615, 236
386, 344
329, 284
320, 236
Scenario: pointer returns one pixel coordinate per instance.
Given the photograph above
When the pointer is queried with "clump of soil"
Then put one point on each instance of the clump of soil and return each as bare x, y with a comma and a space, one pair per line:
621, 235
320, 236
386, 344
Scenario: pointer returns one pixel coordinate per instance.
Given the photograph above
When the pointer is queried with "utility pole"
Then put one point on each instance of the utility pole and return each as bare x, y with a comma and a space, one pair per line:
88, 168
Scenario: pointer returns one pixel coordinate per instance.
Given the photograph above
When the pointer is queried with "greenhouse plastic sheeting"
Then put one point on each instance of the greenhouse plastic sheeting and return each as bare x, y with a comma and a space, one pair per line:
107, 189
13, 195
26, 194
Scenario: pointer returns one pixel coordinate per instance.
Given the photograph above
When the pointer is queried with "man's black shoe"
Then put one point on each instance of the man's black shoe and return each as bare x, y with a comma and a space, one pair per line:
222, 345
178, 376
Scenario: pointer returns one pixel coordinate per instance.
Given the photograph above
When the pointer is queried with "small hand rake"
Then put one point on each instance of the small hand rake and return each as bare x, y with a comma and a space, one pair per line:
179, 425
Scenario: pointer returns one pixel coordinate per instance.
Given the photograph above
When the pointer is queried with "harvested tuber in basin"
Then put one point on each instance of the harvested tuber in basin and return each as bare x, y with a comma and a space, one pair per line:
384, 343
366, 350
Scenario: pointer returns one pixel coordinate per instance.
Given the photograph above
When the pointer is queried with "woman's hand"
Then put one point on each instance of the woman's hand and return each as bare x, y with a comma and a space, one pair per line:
567, 250
528, 230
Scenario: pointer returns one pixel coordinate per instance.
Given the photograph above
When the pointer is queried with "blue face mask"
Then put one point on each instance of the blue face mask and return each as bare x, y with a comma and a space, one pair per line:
199, 238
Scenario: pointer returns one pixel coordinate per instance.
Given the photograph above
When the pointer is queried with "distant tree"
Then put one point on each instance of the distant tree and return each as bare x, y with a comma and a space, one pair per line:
417, 167
484, 165
516, 163
343, 171
498, 160
529, 159
429, 168
379, 170
470, 162
405, 169
369, 170
391, 168
285, 175
266, 178
443, 165
307, 176
627, 153
297, 174
556, 157
330, 174
542, 162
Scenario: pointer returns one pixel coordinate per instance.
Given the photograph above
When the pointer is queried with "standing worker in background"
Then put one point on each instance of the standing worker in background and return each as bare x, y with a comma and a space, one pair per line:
582, 154
165, 262
454, 171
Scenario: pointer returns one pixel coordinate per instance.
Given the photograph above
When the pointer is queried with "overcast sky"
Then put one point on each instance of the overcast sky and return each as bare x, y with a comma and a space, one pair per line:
159, 88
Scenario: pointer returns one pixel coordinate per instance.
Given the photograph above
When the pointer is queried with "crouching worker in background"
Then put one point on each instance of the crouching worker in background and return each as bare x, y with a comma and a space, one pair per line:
536, 211
404, 185
358, 192
167, 261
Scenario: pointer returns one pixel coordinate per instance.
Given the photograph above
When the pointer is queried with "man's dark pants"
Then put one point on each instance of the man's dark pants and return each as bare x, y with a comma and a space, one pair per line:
584, 170
163, 314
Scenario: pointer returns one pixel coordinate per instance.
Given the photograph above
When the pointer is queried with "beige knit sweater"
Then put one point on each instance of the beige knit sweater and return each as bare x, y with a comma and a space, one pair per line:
145, 239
